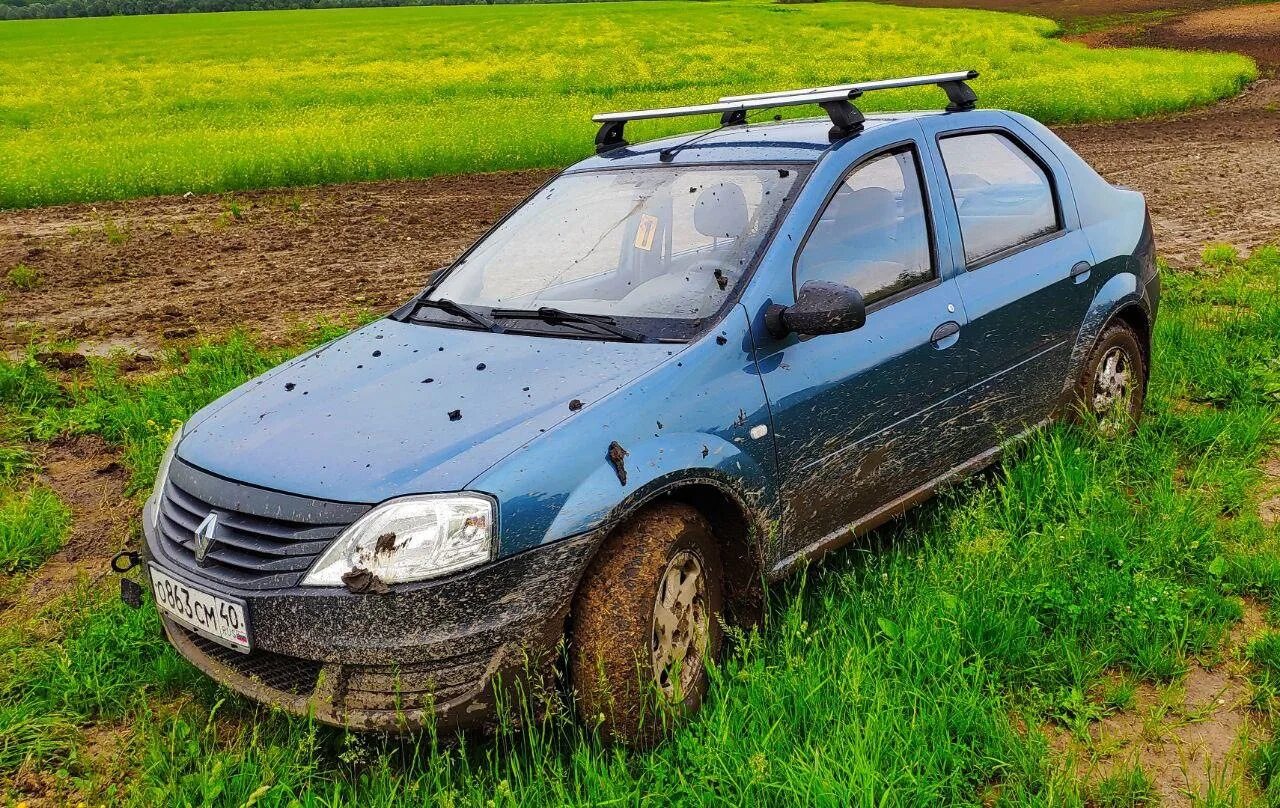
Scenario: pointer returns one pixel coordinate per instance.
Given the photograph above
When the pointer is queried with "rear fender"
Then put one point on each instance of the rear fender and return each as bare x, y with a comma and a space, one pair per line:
1123, 289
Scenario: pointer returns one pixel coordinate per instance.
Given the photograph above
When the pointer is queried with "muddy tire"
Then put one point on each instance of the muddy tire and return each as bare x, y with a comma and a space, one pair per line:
1113, 382
646, 620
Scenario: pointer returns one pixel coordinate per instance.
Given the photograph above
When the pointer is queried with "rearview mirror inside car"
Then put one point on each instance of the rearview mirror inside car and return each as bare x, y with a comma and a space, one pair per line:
821, 307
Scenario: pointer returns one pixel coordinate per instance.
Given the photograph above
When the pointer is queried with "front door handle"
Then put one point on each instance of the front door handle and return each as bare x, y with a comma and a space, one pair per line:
945, 335
1080, 272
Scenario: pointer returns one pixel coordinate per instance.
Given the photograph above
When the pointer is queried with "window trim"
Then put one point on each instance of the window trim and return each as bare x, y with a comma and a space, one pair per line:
908, 145
1054, 193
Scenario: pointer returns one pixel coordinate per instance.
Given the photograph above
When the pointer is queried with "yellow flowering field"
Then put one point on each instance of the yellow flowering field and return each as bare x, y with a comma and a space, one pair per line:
109, 108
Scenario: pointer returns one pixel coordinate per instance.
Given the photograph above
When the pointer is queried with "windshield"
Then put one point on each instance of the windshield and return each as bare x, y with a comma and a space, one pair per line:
652, 243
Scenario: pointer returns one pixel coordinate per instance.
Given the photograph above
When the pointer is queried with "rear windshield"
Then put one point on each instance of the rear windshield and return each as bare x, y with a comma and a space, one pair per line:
668, 243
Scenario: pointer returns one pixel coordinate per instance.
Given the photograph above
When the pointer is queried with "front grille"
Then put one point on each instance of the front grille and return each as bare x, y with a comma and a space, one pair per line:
250, 550
277, 671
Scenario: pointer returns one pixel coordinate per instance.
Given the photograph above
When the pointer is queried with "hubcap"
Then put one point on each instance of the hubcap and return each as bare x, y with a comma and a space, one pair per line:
1111, 380
679, 624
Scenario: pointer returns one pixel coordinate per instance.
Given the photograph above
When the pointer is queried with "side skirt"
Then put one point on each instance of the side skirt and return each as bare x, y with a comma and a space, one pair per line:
891, 510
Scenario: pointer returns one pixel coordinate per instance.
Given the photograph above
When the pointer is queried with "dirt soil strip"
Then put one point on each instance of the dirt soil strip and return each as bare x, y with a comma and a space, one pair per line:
86, 474
1190, 740
1253, 29
134, 274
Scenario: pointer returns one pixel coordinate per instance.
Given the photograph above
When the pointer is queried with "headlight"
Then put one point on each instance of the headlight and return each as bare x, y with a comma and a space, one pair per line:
157, 491
411, 539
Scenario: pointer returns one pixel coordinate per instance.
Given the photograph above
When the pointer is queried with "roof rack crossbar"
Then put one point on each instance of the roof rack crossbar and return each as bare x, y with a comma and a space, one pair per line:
947, 81
836, 101
732, 113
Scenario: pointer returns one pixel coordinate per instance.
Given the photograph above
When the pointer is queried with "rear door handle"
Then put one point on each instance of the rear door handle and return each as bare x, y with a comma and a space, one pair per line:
1080, 272
945, 335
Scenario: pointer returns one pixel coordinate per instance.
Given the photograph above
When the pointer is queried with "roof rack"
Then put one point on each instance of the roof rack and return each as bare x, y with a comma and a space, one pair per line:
836, 101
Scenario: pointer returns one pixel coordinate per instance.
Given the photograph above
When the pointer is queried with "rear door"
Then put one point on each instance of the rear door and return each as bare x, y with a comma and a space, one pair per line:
1026, 278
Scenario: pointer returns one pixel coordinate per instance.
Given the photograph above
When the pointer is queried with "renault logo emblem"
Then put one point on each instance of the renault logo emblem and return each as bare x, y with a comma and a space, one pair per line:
204, 539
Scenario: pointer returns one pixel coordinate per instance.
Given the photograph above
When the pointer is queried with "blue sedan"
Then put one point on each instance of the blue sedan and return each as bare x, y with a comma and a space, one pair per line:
675, 372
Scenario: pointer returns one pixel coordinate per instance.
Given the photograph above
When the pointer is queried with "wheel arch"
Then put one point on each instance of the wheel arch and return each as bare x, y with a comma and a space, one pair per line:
740, 530
1120, 298
1135, 316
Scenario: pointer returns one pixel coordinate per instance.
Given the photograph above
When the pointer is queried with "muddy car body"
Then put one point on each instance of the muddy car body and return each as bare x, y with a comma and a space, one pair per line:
624, 481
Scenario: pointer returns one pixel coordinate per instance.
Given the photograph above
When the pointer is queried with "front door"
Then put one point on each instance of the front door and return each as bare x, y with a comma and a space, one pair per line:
861, 418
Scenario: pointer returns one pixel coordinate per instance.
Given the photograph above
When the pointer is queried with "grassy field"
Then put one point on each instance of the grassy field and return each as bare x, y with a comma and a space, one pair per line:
111, 108
916, 669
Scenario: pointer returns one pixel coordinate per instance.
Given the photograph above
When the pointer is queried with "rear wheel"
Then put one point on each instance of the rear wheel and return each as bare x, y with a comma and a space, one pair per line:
1113, 383
646, 623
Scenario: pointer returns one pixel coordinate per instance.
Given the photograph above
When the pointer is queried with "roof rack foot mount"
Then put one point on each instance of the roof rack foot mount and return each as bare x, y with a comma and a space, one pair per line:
846, 119
609, 137
835, 100
961, 96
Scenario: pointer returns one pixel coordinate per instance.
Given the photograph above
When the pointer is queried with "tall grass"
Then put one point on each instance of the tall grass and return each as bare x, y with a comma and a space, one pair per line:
120, 107
33, 524
913, 669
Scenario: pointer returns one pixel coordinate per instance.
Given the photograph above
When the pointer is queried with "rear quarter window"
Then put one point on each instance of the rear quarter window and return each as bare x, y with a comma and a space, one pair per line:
1003, 196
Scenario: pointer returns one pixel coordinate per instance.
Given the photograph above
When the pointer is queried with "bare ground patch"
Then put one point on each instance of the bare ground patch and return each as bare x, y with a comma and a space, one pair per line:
1253, 29
132, 275
86, 474
1269, 507
1189, 740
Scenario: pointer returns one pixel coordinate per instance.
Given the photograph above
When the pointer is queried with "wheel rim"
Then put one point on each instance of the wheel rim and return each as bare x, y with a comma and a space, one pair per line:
679, 624
1111, 381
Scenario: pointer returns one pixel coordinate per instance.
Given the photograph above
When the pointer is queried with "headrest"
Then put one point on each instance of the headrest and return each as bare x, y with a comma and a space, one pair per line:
721, 211
865, 208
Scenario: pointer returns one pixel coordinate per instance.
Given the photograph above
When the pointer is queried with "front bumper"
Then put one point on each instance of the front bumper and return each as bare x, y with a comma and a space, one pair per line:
437, 650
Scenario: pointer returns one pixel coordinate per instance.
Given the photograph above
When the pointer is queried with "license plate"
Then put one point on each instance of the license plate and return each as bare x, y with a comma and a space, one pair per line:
220, 619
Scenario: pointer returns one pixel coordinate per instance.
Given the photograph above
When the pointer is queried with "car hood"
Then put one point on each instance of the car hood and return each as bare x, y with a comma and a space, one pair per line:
358, 420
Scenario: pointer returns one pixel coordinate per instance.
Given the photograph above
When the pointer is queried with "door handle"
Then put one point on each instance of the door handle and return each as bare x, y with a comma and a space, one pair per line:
945, 335
1080, 272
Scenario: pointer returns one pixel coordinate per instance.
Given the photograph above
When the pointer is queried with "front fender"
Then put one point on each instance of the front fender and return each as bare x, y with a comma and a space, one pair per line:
654, 466
700, 415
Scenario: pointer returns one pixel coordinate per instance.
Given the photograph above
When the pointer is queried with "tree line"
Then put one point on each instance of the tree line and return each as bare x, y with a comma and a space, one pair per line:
53, 9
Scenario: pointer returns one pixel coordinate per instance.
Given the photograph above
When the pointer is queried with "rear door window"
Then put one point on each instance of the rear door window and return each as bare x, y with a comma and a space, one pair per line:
1003, 196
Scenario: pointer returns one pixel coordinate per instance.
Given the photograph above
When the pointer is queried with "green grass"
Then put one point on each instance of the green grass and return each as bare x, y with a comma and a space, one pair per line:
120, 107
914, 669
32, 526
23, 278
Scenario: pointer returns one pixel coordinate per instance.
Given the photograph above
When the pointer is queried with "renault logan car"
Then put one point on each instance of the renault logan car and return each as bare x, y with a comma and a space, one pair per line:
672, 374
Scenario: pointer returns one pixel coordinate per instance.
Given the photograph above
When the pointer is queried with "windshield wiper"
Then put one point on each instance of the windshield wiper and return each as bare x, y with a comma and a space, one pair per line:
550, 315
457, 309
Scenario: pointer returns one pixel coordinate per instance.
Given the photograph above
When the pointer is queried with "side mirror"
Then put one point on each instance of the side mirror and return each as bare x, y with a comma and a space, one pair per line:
821, 307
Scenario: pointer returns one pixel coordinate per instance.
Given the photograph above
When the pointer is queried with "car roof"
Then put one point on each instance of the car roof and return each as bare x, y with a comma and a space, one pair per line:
802, 140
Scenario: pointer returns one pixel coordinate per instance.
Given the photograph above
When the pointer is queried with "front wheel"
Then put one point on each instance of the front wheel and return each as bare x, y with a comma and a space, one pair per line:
646, 622
1113, 383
